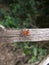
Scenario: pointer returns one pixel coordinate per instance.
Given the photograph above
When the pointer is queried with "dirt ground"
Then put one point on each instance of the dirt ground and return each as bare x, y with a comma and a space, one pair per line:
10, 55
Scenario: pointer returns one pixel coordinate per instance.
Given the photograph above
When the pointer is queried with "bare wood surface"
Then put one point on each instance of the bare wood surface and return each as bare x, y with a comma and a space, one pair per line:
17, 35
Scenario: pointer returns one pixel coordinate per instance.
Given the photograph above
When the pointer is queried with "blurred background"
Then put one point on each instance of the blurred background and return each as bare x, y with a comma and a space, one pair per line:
24, 13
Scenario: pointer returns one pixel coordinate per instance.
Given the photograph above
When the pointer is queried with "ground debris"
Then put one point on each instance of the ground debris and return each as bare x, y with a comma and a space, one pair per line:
10, 55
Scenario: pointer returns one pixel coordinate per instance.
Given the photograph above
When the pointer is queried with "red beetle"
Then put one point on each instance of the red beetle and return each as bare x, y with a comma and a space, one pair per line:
25, 32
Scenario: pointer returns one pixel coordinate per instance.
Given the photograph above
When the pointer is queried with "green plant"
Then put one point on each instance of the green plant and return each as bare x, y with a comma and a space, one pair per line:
37, 53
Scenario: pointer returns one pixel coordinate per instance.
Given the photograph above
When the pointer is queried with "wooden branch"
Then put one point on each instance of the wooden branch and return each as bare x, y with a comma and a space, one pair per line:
34, 35
45, 61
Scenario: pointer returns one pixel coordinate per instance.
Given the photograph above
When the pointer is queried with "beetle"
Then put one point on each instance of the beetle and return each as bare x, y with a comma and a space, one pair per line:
24, 32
